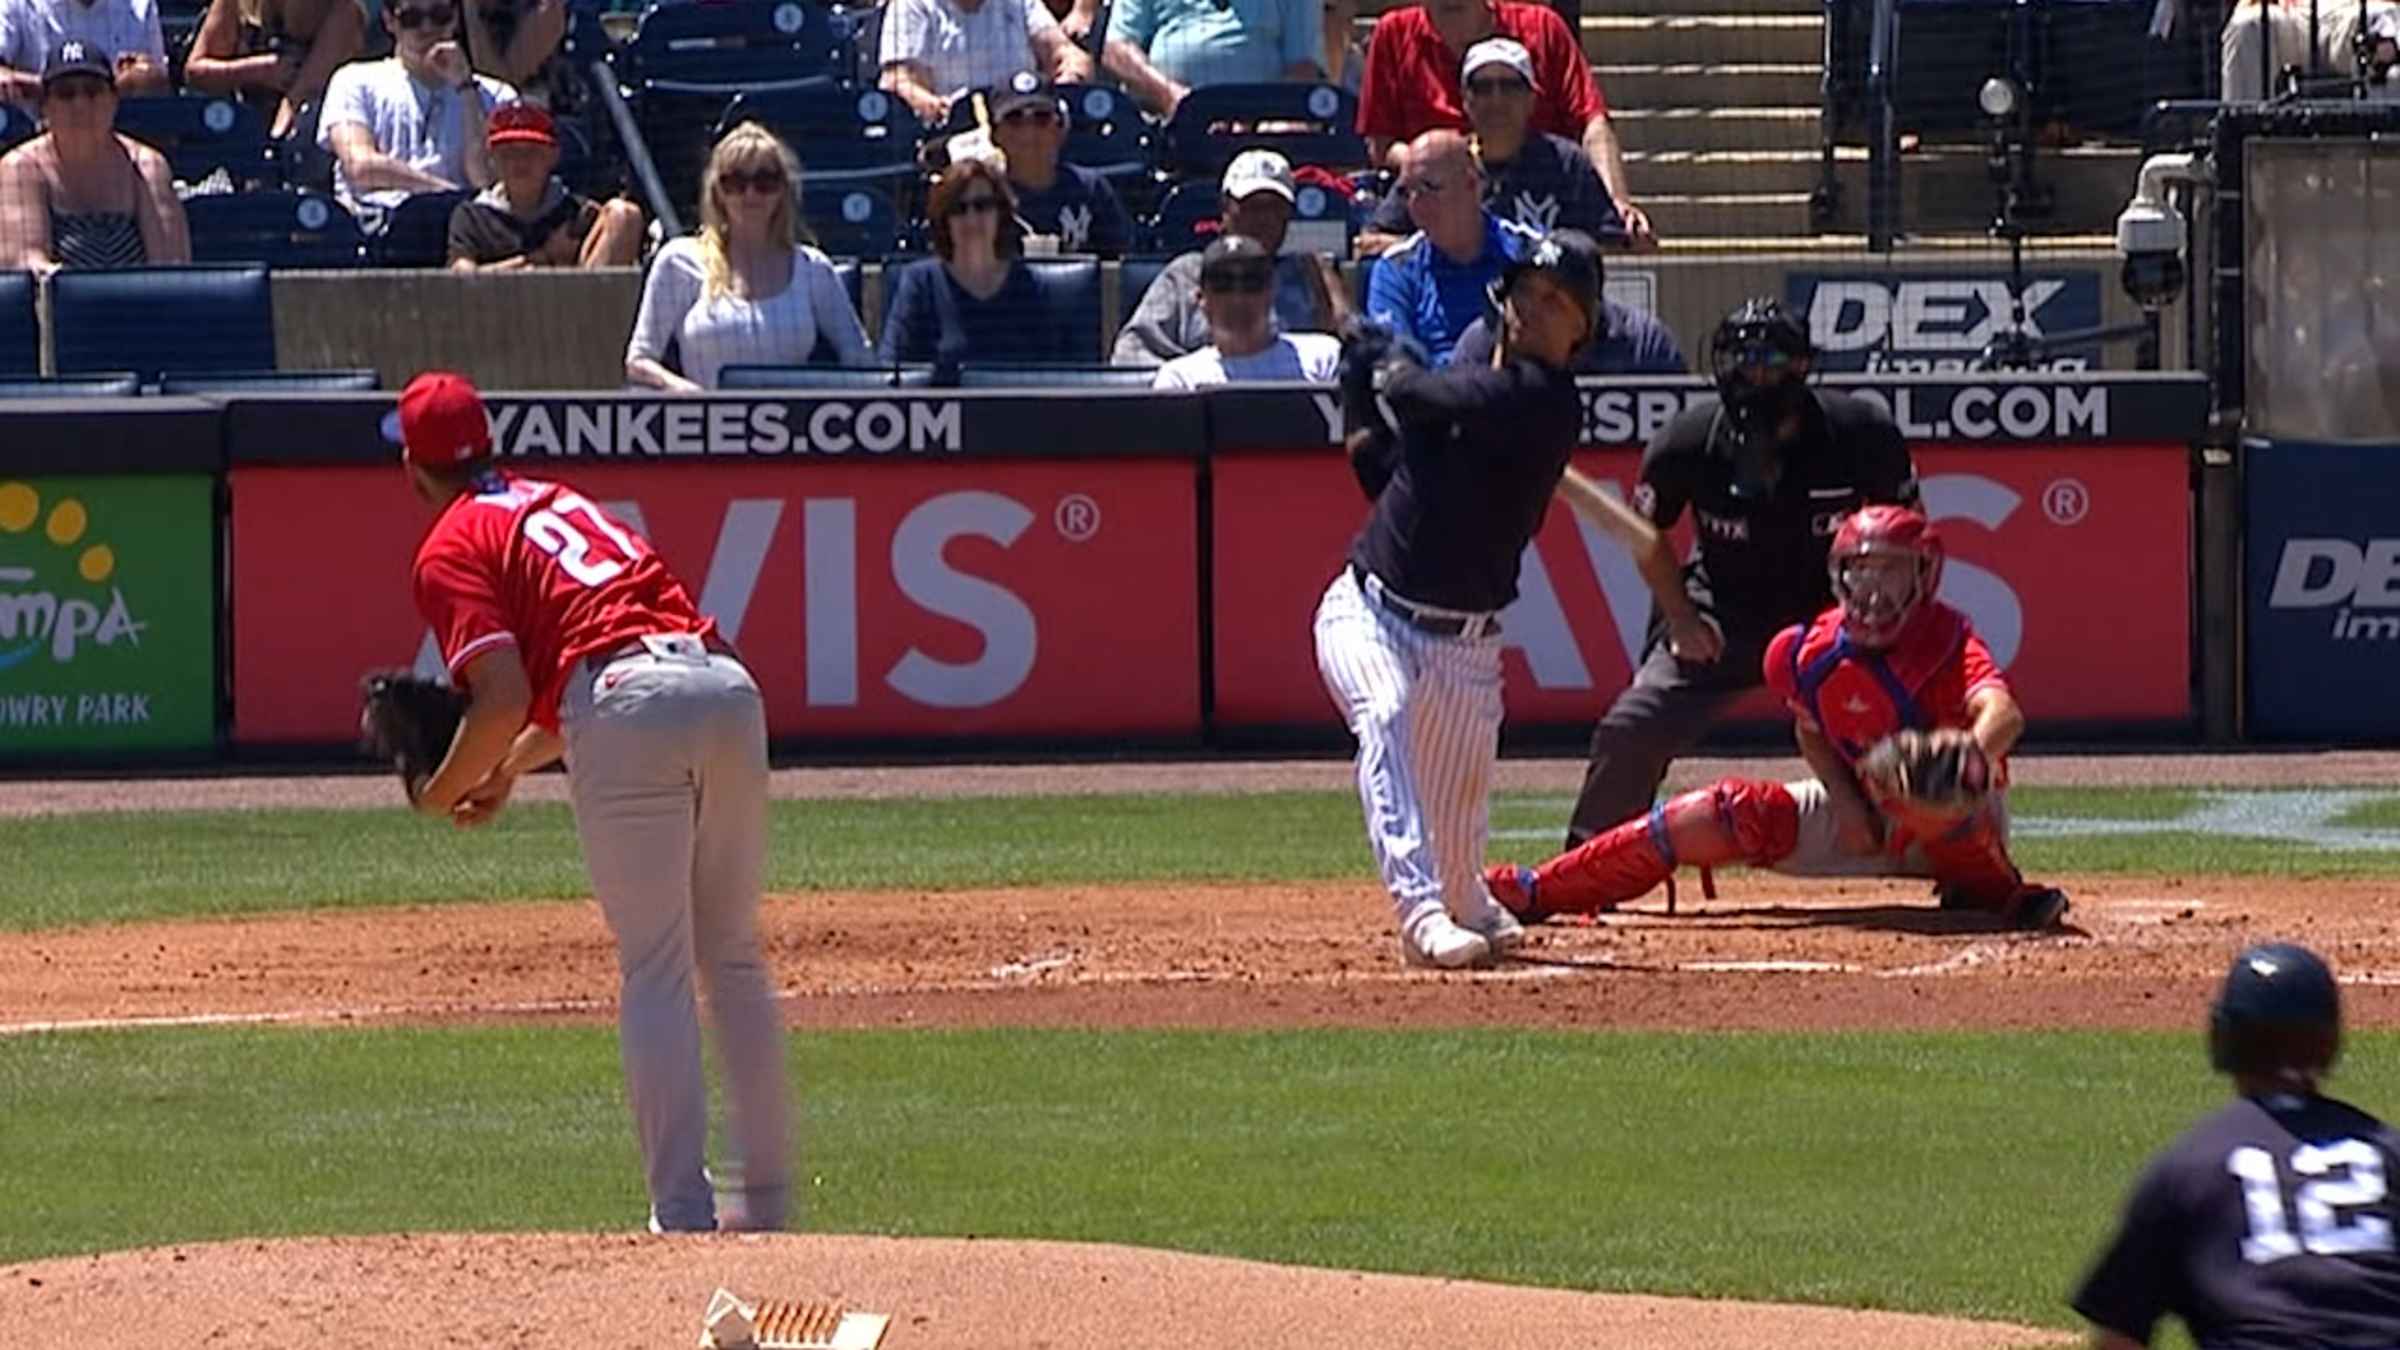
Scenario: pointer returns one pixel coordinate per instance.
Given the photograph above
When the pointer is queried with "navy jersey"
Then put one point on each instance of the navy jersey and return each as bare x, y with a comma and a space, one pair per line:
2270, 1223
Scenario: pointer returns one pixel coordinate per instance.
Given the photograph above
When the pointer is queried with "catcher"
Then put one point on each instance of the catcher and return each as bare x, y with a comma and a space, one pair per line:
1906, 719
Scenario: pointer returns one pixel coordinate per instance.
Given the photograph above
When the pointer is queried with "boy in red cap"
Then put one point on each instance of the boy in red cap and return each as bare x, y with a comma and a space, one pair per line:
528, 217
569, 635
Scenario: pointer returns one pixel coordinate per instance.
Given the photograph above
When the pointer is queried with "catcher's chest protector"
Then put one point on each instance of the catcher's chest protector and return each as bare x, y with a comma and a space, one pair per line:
1858, 696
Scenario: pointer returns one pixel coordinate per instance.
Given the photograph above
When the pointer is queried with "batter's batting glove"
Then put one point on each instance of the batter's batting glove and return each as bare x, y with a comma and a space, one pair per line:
409, 721
1946, 775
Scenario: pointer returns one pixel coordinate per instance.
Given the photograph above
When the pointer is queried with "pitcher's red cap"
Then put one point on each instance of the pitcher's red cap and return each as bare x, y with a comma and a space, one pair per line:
442, 422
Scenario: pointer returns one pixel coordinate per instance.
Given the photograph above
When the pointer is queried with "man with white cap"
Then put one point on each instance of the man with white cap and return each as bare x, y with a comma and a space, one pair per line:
1257, 195
1538, 180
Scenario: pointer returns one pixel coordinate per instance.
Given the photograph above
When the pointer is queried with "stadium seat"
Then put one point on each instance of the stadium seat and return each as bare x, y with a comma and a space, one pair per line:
1306, 123
842, 135
151, 319
1106, 133
1134, 276
270, 382
851, 220
1038, 377
853, 278
118, 385
20, 329
1071, 286
824, 377
417, 233
280, 229
687, 60
202, 135
16, 126
1322, 221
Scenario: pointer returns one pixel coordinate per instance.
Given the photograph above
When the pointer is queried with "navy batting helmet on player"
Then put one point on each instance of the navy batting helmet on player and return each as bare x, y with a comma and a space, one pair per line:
1568, 257
2279, 1012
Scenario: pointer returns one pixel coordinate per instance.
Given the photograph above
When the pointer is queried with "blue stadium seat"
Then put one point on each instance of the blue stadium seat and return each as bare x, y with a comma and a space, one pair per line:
1307, 123
20, 329
1071, 286
119, 385
824, 377
278, 228
842, 135
201, 135
1040, 377
1107, 133
1187, 218
686, 60
271, 382
151, 319
16, 126
417, 233
851, 220
853, 279
1134, 276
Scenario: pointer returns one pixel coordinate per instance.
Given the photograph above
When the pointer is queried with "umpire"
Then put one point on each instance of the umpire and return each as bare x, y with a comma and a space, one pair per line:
1769, 470
2270, 1223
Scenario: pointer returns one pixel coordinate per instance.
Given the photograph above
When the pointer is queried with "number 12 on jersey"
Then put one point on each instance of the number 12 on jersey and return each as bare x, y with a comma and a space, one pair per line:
2347, 1175
550, 531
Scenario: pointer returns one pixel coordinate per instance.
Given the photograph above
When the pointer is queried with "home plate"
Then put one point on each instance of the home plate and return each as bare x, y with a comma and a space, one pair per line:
1773, 967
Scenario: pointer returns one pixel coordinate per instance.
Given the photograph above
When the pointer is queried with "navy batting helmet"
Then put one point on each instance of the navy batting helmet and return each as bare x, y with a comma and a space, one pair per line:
2279, 1011
1568, 257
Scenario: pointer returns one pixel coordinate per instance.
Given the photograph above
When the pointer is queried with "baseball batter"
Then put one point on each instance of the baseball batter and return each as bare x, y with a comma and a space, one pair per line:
1460, 465
570, 636
1883, 687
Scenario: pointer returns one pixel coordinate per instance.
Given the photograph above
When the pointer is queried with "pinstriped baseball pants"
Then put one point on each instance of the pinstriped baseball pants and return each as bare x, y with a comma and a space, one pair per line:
1425, 711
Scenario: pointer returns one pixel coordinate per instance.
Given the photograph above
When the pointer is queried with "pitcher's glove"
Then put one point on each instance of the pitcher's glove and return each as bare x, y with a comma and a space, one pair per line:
1943, 774
409, 721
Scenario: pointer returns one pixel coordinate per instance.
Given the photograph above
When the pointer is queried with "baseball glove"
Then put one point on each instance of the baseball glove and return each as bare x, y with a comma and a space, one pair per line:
1945, 776
409, 721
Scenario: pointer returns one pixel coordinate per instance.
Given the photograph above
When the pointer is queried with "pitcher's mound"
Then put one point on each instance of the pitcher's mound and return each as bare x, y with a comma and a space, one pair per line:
540, 1291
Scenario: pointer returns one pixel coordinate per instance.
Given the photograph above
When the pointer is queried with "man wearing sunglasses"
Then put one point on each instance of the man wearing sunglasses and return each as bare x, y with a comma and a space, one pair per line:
1539, 180
32, 30
1769, 471
1431, 285
414, 121
1066, 202
1237, 279
1256, 196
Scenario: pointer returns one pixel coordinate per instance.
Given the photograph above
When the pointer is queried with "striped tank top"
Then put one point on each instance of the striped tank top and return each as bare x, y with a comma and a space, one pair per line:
97, 239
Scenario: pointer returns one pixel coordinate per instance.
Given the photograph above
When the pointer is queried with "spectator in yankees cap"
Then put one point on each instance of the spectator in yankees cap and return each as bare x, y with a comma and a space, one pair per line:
1065, 202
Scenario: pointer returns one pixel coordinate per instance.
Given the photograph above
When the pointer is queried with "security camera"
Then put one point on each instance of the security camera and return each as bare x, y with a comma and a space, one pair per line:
2151, 233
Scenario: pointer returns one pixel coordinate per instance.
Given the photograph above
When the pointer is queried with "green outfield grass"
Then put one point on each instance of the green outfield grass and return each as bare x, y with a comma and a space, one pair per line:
97, 868
1971, 1175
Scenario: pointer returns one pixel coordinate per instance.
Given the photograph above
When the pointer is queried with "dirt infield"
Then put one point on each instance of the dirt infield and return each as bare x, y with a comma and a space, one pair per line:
1767, 954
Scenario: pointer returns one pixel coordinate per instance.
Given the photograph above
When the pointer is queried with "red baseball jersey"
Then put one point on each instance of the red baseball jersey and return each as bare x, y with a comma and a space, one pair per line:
1412, 77
1857, 697
535, 565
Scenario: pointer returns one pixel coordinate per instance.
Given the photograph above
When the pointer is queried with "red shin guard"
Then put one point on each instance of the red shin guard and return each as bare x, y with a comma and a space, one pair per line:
1970, 862
1741, 820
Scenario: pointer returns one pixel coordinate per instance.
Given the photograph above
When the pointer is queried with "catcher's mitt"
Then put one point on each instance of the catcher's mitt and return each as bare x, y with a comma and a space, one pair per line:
409, 721
1946, 776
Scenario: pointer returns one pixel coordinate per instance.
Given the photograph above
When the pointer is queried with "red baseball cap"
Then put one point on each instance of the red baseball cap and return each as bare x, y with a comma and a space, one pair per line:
442, 422
520, 124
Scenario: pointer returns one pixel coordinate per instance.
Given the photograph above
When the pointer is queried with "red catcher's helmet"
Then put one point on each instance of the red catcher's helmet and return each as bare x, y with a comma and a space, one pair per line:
1877, 602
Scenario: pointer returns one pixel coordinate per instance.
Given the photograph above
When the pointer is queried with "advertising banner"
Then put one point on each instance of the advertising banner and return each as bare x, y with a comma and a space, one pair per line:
1917, 323
975, 599
107, 615
2322, 590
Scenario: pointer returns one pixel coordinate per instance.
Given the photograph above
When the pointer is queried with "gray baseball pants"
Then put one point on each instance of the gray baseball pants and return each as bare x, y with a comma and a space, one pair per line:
667, 758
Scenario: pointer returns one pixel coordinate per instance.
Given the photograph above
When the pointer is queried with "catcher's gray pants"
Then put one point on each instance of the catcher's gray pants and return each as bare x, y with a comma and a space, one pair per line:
1818, 852
667, 757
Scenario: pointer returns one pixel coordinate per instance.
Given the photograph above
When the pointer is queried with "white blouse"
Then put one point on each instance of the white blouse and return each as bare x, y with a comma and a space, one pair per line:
777, 330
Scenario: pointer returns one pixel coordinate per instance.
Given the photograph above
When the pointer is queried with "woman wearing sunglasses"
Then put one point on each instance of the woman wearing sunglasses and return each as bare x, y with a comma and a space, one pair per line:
79, 194
975, 300
414, 121
746, 290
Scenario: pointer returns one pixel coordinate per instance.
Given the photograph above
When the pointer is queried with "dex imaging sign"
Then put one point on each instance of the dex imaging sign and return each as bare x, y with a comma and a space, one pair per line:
1902, 323
2323, 582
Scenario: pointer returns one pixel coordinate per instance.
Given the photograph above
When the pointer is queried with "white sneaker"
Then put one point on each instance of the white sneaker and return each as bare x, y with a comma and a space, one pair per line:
1499, 929
1432, 939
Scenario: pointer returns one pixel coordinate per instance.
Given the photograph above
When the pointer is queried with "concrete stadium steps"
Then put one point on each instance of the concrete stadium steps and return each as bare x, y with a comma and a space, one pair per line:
1725, 215
1718, 172
1947, 190
1718, 85
1691, 128
1705, 39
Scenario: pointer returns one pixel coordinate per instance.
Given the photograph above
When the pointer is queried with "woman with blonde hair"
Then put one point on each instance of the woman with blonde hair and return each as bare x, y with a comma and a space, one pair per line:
746, 290
80, 194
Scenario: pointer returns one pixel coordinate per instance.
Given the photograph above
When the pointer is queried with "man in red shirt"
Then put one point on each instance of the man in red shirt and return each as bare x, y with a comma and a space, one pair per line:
1413, 79
1888, 656
568, 635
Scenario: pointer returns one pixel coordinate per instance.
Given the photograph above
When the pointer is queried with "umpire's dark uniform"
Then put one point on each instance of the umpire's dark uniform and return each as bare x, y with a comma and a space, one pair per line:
1760, 569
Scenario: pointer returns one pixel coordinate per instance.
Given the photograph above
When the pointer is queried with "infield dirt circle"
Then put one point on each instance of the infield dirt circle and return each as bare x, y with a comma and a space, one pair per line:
1768, 953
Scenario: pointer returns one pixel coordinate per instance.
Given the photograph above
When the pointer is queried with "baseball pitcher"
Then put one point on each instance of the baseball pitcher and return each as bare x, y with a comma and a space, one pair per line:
567, 634
1907, 721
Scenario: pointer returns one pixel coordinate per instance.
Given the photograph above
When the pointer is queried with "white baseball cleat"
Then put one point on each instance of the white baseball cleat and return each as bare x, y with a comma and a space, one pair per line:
1499, 929
1432, 939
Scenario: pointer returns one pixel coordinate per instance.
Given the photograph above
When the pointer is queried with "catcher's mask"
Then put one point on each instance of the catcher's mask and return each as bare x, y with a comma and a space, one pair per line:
1759, 358
1886, 561
2278, 1013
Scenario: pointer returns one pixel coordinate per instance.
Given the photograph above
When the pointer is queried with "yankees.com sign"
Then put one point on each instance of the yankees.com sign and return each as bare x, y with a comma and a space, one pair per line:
1005, 598
2042, 543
